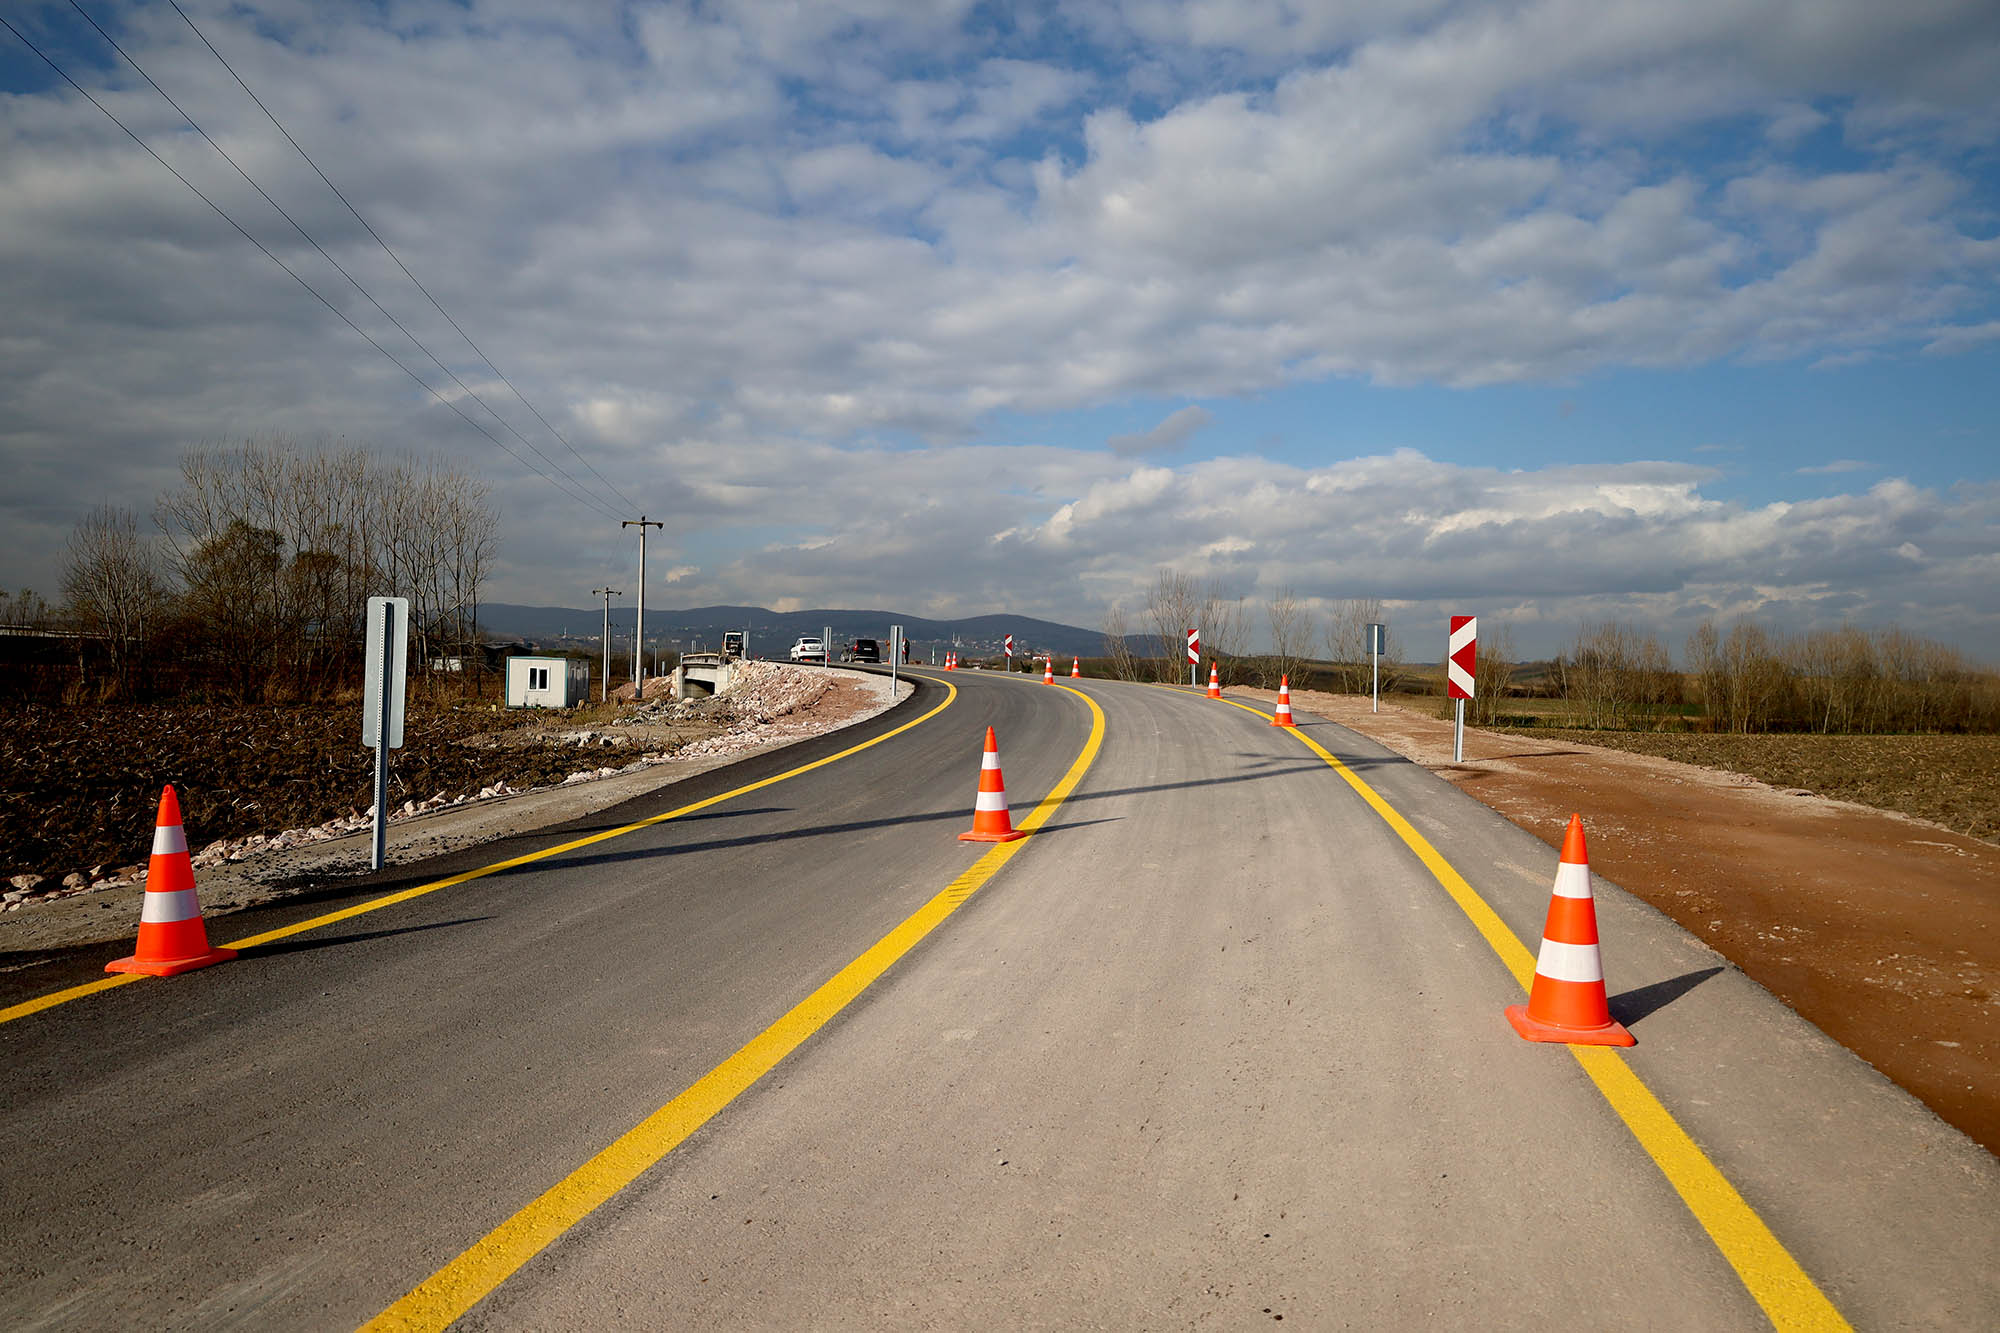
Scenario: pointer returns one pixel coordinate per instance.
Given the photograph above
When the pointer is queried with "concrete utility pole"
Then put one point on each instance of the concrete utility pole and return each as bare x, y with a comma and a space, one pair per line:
604, 685
639, 631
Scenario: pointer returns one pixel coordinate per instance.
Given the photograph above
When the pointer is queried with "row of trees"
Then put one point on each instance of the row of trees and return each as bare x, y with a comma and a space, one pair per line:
1614, 675
1749, 679
267, 554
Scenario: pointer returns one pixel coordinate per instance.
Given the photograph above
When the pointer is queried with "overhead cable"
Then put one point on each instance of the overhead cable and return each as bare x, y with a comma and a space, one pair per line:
351, 279
397, 258
289, 271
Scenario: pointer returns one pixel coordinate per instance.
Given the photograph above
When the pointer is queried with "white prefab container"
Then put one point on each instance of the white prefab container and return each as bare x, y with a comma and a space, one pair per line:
547, 682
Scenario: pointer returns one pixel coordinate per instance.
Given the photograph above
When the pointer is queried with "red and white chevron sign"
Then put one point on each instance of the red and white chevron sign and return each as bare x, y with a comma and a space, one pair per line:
1464, 651
1010, 645
1194, 645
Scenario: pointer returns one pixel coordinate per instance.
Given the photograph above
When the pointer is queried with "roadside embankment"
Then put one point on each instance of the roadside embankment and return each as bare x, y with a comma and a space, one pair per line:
575, 769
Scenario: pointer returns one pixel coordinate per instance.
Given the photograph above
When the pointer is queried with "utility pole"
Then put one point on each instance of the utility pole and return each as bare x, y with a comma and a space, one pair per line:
604, 685
639, 631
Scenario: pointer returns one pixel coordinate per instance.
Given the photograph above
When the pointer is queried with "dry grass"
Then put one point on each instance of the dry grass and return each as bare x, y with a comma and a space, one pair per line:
1947, 779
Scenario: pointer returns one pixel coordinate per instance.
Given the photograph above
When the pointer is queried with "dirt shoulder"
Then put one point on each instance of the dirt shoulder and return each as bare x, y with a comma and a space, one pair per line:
654, 745
1882, 929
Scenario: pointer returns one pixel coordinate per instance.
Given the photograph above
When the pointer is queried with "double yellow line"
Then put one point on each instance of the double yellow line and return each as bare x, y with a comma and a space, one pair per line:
1767, 1269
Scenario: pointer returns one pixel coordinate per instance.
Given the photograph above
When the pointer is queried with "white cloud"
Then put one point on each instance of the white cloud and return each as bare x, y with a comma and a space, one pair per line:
1957, 338
784, 263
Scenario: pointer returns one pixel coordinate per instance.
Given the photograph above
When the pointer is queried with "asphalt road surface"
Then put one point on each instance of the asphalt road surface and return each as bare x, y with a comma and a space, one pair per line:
1216, 1044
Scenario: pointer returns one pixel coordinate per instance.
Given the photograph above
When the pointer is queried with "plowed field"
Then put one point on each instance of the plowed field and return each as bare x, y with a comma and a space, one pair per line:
79, 786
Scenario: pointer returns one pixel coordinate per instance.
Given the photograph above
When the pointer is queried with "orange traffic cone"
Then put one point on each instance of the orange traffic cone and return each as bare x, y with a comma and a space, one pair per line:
1214, 681
1567, 1002
1048, 671
171, 936
1075, 668
1284, 715
949, 661
989, 813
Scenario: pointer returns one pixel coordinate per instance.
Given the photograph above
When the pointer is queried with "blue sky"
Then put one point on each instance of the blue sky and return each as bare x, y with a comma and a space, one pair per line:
1554, 311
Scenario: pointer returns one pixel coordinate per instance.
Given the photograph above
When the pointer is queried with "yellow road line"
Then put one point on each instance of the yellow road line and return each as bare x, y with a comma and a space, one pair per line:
50, 1001
448, 1293
54, 998
1774, 1279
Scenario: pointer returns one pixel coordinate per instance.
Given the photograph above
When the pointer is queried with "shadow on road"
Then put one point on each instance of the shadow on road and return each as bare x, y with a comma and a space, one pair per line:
1633, 1005
296, 945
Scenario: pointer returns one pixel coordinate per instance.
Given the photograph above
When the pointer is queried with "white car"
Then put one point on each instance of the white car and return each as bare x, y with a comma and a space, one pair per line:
809, 650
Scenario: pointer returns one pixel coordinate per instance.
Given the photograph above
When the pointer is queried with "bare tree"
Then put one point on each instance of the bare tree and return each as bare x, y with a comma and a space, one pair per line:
1173, 607
25, 610
1292, 633
1347, 641
331, 528
1178, 603
1118, 643
1492, 673
111, 585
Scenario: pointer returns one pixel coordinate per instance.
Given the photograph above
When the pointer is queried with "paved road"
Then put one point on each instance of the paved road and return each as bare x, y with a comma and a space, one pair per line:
1213, 1046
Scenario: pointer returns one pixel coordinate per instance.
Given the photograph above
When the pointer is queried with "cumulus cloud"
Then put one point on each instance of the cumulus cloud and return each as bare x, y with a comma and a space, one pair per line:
776, 267
1169, 435
1551, 545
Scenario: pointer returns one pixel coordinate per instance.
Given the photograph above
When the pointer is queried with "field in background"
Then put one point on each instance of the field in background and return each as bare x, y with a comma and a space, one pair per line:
1946, 779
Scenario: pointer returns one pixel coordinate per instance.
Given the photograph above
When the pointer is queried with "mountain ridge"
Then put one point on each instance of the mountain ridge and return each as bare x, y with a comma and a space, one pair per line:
772, 632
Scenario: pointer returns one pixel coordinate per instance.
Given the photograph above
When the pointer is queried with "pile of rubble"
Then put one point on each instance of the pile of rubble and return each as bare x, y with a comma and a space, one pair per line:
766, 701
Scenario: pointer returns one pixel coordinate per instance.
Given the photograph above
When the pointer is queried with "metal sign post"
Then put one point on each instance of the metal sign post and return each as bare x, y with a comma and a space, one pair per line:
1377, 642
384, 683
895, 656
1459, 675
826, 645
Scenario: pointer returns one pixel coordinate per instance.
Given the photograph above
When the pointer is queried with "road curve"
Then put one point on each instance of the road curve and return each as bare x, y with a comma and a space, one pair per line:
296, 1138
1221, 1049
1213, 1044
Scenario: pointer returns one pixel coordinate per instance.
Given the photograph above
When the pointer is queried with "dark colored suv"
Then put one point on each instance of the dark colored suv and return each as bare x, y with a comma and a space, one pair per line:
865, 650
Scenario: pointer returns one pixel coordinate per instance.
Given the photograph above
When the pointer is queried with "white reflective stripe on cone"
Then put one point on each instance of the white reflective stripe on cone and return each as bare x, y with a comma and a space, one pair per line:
991, 800
176, 905
1572, 880
991, 760
1569, 962
169, 839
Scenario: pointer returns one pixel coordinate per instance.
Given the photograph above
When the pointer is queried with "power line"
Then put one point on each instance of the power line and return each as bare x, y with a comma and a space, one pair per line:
351, 279
310, 289
398, 259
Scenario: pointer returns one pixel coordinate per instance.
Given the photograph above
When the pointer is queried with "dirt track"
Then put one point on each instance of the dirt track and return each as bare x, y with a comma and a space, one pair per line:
1881, 929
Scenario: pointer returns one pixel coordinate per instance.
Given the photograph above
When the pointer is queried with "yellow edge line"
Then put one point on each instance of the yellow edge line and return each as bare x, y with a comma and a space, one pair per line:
54, 998
448, 1293
1774, 1279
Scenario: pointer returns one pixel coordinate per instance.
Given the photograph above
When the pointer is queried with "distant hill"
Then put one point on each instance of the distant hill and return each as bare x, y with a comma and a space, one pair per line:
773, 632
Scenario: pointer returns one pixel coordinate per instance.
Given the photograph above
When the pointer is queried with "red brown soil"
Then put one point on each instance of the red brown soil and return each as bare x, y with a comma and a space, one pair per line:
1881, 929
